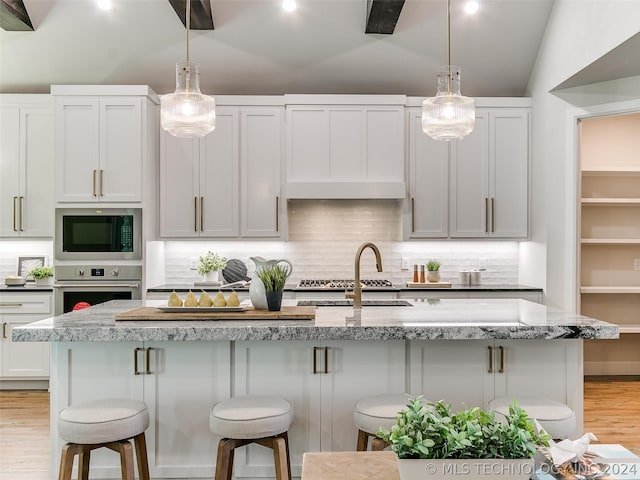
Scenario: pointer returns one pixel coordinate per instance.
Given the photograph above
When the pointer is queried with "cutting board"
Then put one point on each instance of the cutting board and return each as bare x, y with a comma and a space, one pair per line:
286, 313
429, 285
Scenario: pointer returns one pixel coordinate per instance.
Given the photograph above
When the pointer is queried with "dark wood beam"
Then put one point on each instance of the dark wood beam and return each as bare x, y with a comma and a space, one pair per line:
14, 16
383, 15
201, 17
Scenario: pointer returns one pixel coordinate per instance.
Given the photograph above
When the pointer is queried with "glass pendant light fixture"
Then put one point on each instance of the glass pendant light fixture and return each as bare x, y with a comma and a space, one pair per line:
187, 112
448, 115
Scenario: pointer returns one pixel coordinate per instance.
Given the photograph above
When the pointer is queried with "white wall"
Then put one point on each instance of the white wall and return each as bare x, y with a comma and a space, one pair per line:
578, 33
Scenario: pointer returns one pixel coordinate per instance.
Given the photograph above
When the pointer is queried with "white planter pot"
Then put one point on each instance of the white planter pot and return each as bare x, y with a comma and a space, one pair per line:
466, 469
211, 276
44, 281
433, 276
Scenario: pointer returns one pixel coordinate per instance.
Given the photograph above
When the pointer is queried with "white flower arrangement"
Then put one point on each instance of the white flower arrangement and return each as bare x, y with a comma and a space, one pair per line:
211, 262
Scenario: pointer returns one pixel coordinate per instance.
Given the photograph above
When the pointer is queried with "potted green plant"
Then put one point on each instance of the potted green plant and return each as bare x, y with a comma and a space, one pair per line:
433, 443
210, 264
42, 275
273, 278
433, 271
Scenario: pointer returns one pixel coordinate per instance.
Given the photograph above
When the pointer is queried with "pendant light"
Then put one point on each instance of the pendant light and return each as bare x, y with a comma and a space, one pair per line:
448, 115
187, 112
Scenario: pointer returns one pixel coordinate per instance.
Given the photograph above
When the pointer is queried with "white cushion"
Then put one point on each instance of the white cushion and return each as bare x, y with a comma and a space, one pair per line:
371, 413
251, 417
103, 421
557, 418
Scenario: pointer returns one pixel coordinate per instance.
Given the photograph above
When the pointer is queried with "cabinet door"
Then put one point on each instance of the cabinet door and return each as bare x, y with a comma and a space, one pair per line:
470, 202
10, 167
452, 370
120, 172
77, 149
37, 170
429, 182
509, 173
218, 177
23, 359
284, 369
179, 194
307, 144
186, 379
260, 157
356, 369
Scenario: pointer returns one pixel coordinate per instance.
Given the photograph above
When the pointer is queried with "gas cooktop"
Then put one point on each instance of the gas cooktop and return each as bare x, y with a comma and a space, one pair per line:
344, 284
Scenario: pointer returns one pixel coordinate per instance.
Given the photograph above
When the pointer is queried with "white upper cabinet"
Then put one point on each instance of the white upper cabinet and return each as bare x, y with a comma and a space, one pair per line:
489, 191
351, 148
26, 162
102, 143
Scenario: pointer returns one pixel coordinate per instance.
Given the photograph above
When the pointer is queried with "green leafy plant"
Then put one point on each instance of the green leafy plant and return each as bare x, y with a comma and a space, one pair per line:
41, 272
274, 277
433, 266
431, 430
211, 262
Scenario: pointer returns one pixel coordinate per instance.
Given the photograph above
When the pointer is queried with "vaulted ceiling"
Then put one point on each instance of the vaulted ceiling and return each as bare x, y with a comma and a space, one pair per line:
258, 48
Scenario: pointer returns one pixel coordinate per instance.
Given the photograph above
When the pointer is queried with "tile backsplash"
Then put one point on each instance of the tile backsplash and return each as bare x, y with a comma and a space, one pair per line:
325, 234
11, 250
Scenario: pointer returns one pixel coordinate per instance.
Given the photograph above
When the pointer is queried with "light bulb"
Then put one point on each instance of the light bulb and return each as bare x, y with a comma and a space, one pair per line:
186, 109
104, 4
289, 5
471, 7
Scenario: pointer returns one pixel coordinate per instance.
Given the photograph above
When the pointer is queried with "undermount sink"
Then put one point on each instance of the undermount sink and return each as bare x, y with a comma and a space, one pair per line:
349, 303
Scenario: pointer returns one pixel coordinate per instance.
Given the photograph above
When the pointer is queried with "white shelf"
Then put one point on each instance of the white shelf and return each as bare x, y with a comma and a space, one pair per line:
611, 172
610, 241
603, 289
631, 202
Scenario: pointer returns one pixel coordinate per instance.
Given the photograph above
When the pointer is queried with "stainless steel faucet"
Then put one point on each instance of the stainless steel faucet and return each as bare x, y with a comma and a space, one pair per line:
357, 288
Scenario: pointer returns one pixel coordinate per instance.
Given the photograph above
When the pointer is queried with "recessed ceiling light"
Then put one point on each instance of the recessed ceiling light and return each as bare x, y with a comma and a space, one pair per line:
471, 7
289, 5
104, 4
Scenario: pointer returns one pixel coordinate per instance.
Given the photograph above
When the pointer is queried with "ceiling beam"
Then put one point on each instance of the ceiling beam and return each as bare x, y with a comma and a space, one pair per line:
14, 16
383, 15
201, 17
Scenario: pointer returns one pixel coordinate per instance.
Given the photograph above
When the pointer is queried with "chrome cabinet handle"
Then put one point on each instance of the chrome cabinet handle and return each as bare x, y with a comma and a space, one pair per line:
15, 226
202, 214
10, 304
501, 369
413, 215
22, 214
486, 215
277, 216
94, 183
490, 360
493, 214
195, 214
135, 361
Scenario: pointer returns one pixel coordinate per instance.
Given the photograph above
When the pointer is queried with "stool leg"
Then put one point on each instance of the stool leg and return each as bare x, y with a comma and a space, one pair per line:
124, 448
363, 440
84, 458
69, 451
224, 460
280, 458
141, 456
377, 444
285, 435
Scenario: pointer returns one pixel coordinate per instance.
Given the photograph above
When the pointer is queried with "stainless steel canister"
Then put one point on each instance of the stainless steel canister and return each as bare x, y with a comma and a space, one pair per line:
475, 277
464, 277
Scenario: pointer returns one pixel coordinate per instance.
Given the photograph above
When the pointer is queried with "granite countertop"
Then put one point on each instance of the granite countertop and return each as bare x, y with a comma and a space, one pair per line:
450, 319
29, 287
293, 287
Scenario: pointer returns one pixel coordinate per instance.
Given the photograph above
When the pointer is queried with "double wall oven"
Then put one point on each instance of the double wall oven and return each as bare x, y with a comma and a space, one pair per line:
98, 256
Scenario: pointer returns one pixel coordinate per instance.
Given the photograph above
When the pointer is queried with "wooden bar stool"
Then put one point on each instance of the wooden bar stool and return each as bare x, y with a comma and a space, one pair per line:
252, 419
371, 413
104, 423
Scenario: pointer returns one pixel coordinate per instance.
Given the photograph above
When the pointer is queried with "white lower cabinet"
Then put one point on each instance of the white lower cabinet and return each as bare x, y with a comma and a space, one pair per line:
323, 380
28, 360
472, 372
179, 381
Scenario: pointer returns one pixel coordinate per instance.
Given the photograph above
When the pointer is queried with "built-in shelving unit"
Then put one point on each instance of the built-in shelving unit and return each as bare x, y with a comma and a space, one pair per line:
609, 244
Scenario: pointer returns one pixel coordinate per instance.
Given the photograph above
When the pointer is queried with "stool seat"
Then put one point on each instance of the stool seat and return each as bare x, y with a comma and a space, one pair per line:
557, 418
371, 413
251, 417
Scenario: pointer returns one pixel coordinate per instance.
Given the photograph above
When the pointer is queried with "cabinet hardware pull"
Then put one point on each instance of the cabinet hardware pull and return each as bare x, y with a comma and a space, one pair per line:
101, 182
326, 360
135, 361
94, 183
195, 214
15, 228
22, 214
490, 360
277, 208
10, 304
486, 215
413, 215
4, 330
147, 360
315, 359
493, 215
202, 214
501, 370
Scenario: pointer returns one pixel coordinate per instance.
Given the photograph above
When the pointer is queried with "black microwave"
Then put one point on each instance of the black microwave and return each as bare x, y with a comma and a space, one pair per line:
98, 234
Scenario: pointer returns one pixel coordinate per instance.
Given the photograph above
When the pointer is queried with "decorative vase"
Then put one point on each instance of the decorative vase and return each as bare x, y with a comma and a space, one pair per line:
256, 287
44, 281
211, 276
274, 300
433, 275
466, 469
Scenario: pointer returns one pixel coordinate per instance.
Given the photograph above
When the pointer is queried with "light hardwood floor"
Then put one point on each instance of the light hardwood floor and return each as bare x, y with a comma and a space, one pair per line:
611, 411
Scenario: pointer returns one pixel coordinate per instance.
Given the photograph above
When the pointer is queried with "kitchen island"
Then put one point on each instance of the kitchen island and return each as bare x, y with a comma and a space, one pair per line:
462, 351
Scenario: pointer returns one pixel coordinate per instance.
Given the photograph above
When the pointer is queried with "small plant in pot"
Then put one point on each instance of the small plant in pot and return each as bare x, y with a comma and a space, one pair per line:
42, 275
433, 443
210, 264
433, 271
273, 278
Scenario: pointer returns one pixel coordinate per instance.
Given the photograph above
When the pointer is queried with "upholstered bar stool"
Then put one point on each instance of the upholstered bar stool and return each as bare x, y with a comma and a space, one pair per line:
252, 419
371, 413
557, 418
104, 423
